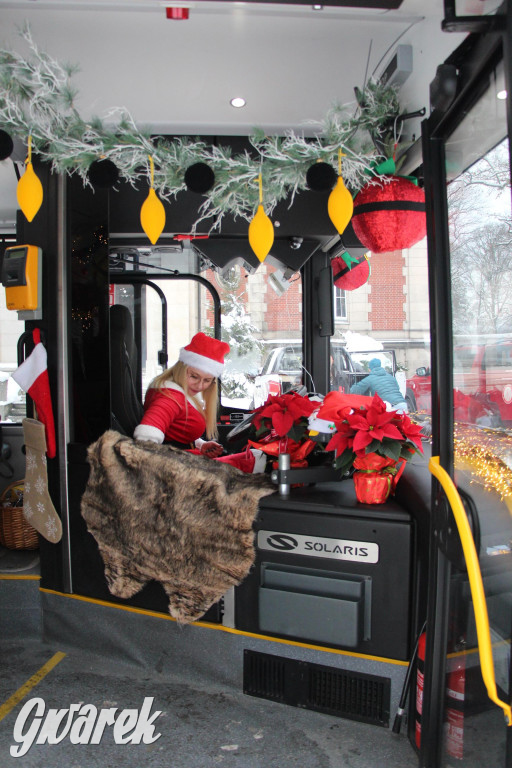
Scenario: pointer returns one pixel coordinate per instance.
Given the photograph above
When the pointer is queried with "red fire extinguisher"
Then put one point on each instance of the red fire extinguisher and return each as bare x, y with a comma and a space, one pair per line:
420, 682
455, 689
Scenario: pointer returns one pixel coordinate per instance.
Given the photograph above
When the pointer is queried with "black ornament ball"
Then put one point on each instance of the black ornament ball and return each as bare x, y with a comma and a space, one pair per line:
199, 178
103, 173
6, 145
320, 177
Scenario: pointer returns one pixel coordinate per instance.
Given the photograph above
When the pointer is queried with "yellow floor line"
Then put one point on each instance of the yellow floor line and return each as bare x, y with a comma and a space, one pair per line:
30, 684
16, 577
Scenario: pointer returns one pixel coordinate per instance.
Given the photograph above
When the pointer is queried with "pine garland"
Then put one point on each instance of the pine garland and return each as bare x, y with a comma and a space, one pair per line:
37, 98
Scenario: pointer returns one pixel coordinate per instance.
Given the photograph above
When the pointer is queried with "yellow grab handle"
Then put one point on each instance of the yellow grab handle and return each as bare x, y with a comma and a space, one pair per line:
475, 583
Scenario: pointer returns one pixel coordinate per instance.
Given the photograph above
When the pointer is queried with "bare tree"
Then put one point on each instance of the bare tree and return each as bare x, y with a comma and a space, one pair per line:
480, 246
482, 281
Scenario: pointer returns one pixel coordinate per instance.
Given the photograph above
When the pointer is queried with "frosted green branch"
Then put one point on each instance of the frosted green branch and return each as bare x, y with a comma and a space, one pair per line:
37, 98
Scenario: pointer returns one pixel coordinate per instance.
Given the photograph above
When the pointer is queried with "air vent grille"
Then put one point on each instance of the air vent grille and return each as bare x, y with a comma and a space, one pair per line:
264, 676
349, 694
342, 693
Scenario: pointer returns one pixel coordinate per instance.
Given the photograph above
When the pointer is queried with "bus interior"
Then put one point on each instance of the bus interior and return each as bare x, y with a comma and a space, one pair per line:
360, 634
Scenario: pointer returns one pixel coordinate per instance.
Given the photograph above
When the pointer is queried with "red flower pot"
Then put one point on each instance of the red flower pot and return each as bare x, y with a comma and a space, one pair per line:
372, 487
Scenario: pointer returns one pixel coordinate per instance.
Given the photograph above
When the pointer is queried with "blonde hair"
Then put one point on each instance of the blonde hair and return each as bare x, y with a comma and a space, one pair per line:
178, 374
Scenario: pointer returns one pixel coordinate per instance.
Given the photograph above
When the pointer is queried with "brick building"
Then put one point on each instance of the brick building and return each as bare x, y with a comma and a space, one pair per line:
392, 307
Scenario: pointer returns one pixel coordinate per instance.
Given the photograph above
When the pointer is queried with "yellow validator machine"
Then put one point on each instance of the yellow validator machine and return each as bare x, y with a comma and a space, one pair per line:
22, 278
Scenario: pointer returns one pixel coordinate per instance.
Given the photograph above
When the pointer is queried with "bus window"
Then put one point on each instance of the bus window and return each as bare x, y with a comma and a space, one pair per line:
169, 313
387, 317
481, 286
254, 319
264, 330
477, 168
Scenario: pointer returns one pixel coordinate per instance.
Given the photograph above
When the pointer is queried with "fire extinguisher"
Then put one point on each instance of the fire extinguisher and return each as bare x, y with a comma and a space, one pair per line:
455, 689
407, 682
420, 683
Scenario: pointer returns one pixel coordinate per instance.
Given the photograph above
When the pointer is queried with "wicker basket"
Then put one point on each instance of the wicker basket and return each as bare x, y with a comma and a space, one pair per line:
15, 532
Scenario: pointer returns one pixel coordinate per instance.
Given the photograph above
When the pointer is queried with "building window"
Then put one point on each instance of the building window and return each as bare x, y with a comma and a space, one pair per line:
340, 304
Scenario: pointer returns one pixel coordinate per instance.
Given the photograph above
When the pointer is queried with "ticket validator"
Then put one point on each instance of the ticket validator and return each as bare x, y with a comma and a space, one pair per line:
22, 279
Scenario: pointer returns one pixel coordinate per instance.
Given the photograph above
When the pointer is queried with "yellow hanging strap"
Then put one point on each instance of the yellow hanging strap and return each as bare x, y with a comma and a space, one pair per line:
29, 151
475, 583
151, 171
260, 183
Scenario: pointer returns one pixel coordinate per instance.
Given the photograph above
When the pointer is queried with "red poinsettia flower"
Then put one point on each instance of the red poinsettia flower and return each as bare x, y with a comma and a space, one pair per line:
411, 431
284, 411
373, 424
342, 439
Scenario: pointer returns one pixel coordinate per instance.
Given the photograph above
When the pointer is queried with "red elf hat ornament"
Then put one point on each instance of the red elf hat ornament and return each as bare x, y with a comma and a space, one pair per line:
205, 353
349, 272
390, 216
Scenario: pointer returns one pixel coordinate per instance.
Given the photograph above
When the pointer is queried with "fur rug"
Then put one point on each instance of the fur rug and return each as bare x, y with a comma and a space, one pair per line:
160, 513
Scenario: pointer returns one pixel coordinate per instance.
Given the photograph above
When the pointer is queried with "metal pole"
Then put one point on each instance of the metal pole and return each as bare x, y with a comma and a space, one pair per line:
283, 465
62, 381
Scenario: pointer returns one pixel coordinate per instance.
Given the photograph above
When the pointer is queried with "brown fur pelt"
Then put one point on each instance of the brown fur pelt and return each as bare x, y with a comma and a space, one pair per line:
161, 513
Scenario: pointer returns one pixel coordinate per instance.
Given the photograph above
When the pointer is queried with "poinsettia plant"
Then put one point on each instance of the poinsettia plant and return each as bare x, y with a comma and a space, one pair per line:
371, 431
281, 426
286, 415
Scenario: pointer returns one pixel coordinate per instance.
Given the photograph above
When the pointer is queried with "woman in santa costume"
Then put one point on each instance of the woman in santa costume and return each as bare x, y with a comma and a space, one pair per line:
181, 405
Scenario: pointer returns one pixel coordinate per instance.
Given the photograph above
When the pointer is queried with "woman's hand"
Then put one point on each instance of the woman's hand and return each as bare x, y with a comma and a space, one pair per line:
211, 449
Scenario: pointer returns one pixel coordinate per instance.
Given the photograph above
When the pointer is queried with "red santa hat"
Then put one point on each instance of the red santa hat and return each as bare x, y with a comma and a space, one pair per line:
335, 407
205, 353
32, 376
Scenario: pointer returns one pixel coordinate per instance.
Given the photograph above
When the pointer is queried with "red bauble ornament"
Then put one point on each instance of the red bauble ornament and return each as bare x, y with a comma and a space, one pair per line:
350, 277
389, 216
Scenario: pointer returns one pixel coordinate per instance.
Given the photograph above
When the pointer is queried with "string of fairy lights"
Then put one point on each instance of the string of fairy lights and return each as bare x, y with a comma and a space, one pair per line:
487, 458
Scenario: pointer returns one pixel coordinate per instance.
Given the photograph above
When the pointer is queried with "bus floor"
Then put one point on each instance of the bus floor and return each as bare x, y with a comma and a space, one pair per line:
199, 728
200, 725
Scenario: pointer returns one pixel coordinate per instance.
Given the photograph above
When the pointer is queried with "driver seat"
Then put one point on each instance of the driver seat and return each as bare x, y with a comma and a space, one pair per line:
126, 408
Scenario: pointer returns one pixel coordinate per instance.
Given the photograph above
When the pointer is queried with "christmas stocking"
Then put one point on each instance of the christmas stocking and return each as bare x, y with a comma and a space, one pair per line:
32, 376
38, 508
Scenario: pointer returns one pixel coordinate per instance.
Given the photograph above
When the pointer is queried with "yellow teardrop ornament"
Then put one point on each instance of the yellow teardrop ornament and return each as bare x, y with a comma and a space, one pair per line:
340, 206
152, 216
261, 234
29, 192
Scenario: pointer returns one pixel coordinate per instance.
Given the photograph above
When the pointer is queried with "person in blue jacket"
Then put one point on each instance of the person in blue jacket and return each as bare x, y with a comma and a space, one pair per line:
383, 383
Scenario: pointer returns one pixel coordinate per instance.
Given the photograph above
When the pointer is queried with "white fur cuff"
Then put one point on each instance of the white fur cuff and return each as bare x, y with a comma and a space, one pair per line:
147, 432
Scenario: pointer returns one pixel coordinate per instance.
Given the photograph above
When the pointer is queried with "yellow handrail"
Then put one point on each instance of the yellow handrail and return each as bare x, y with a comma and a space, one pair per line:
475, 583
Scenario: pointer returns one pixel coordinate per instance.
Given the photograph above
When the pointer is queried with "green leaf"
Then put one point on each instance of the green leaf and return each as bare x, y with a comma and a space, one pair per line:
296, 432
391, 448
345, 461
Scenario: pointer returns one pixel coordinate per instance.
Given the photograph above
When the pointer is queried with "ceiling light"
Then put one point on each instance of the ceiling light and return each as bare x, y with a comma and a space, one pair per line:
238, 102
318, 7
502, 95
